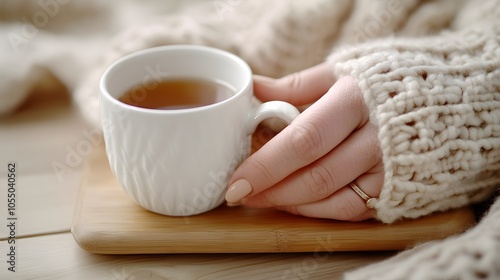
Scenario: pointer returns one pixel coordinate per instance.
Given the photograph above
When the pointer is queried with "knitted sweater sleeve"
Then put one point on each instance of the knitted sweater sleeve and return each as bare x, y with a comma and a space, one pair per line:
436, 101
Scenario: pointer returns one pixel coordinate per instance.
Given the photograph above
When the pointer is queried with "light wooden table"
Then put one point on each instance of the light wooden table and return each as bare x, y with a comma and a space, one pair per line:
48, 131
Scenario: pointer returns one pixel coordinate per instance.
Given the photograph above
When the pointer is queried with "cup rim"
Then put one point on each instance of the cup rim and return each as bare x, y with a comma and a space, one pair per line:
246, 68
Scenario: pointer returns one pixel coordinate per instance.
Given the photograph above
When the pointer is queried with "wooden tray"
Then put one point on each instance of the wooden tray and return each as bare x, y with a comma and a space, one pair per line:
107, 221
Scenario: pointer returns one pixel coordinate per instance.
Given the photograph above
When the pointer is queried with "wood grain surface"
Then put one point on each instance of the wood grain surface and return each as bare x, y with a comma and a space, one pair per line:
57, 256
108, 221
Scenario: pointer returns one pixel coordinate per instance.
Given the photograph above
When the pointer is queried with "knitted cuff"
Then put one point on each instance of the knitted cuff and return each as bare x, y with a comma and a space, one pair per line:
436, 102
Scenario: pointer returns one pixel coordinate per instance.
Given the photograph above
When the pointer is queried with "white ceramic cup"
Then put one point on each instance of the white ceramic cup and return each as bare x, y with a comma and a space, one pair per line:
178, 162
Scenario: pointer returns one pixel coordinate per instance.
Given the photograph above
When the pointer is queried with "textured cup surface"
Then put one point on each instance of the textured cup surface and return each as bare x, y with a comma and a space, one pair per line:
178, 162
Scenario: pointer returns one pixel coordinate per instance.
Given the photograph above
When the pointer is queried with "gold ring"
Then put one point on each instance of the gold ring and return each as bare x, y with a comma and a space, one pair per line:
369, 201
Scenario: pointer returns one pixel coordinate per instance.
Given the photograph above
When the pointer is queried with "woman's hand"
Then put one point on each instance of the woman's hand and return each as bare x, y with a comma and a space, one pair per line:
306, 169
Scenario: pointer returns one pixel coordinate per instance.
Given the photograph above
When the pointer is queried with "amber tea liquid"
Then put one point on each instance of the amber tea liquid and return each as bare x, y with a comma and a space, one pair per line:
172, 94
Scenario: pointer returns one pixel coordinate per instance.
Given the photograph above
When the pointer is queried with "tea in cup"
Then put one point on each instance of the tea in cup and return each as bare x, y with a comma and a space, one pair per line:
177, 121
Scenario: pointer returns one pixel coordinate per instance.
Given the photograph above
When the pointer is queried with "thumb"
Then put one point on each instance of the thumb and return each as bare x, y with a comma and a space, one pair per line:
299, 88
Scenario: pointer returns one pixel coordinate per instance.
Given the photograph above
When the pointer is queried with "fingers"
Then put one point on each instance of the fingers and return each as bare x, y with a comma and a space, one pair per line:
354, 156
314, 133
344, 204
299, 88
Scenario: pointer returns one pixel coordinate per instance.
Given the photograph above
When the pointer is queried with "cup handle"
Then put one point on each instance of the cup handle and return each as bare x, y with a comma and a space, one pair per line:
271, 109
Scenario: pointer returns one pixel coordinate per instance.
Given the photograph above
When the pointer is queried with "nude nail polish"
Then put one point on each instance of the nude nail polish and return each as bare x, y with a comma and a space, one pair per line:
230, 204
238, 190
263, 79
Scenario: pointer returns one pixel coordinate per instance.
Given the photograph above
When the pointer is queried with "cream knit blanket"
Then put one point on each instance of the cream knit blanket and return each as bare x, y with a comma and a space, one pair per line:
429, 71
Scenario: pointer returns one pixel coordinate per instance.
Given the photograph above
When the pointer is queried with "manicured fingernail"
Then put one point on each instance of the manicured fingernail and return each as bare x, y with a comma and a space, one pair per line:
238, 190
230, 204
262, 79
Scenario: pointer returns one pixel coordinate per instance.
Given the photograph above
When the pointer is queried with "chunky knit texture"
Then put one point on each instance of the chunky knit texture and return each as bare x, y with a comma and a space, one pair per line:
429, 71
436, 103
